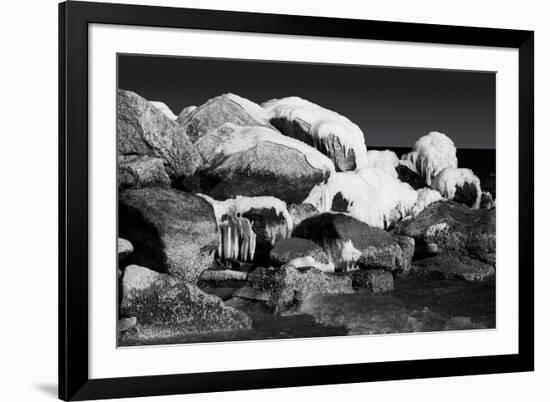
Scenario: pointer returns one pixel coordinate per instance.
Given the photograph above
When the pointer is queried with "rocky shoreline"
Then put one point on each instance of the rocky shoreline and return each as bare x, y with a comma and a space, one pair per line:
245, 221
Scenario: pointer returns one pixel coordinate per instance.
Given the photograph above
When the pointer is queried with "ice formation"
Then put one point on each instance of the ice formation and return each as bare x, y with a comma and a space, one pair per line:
163, 107
455, 184
386, 160
372, 195
322, 124
237, 239
242, 138
434, 152
409, 160
426, 196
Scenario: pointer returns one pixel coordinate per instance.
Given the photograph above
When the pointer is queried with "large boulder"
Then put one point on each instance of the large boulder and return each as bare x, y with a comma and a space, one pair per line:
256, 161
143, 129
288, 287
331, 133
351, 243
172, 231
453, 228
164, 307
300, 253
444, 266
141, 171
226, 108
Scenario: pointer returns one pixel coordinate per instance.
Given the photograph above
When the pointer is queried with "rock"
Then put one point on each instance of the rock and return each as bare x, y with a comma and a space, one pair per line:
124, 248
375, 280
164, 108
124, 324
486, 201
288, 287
329, 132
407, 175
461, 323
445, 266
270, 227
249, 293
226, 108
300, 253
407, 245
460, 185
299, 212
453, 228
141, 171
350, 243
143, 129
489, 183
173, 232
256, 161
165, 306
222, 279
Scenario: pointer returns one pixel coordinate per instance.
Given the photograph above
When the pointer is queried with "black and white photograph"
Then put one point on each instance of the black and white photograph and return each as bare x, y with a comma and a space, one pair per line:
269, 200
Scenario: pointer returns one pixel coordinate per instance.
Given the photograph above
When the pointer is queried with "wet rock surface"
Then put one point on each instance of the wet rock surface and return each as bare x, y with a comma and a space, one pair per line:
445, 266
374, 280
172, 231
165, 306
288, 287
453, 228
300, 252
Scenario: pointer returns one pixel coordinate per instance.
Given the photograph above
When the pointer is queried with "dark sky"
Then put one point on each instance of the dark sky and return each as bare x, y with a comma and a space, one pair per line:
393, 106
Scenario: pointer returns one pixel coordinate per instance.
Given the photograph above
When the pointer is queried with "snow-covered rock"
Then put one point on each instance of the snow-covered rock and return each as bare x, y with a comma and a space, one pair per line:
460, 185
226, 108
370, 194
163, 107
434, 152
257, 161
352, 244
386, 160
248, 223
329, 132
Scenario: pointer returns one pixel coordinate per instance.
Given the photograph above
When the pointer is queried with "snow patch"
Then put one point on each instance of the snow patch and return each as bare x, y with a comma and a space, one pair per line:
163, 107
386, 160
434, 152
323, 123
451, 178
373, 196
409, 160
426, 196
253, 109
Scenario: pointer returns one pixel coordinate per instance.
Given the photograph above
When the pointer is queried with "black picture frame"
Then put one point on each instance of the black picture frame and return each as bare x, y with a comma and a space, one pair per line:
74, 381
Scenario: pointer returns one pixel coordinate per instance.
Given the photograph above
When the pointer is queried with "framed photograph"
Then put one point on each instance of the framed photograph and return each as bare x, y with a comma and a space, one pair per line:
257, 201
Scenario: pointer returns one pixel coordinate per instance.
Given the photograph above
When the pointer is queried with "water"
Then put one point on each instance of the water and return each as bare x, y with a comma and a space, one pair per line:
417, 304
